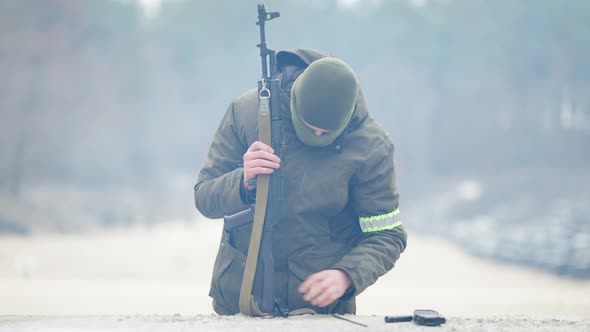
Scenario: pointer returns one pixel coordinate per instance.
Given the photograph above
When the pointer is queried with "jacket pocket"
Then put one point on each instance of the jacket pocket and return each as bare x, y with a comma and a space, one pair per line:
299, 269
239, 238
226, 282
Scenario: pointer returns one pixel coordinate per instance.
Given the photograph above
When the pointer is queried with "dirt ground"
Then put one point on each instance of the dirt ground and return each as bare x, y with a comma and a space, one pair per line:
140, 278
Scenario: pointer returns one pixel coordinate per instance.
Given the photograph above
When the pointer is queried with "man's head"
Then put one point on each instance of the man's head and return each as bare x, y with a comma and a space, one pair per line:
322, 101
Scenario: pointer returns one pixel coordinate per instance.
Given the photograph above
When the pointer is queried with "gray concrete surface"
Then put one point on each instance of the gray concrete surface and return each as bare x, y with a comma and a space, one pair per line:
301, 323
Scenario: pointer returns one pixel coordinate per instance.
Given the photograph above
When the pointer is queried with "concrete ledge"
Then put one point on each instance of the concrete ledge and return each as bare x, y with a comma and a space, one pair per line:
299, 323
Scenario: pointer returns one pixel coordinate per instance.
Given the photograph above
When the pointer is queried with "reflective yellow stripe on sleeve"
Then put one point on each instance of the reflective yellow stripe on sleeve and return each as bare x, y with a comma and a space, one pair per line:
381, 222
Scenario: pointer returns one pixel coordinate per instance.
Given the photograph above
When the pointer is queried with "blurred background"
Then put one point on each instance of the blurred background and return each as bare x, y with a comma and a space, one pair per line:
107, 110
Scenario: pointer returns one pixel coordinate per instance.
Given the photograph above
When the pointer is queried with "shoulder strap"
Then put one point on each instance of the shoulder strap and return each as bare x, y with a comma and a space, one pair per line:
248, 304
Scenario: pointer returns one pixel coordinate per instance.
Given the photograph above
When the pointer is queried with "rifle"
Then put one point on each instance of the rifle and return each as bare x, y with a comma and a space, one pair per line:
275, 206
257, 291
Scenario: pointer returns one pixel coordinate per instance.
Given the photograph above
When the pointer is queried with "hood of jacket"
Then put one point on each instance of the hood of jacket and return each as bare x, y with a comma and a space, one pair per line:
291, 63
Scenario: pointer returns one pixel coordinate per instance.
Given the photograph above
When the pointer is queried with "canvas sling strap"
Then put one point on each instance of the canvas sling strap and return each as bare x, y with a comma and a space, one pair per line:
248, 304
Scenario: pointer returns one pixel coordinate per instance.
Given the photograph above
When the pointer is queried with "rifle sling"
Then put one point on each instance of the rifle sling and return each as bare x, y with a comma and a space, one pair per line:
248, 304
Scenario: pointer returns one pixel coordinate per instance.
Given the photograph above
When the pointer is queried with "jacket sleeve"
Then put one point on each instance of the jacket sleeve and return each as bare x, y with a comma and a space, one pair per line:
218, 188
383, 237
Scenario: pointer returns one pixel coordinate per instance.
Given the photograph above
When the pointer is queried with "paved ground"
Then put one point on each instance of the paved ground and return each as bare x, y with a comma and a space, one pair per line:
304, 323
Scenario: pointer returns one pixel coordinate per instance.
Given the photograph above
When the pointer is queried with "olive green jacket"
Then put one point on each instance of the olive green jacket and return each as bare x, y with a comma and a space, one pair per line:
341, 201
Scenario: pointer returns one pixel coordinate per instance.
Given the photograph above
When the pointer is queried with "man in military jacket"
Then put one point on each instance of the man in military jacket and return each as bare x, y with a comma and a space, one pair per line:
341, 228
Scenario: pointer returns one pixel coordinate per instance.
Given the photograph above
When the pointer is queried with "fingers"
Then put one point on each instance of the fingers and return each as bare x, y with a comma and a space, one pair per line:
259, 150
305, 287
261, 154
327, 297
322, 289
259, 170
260, 146
259, 159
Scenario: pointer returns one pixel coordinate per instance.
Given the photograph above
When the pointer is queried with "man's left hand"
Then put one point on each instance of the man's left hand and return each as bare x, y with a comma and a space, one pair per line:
323, 288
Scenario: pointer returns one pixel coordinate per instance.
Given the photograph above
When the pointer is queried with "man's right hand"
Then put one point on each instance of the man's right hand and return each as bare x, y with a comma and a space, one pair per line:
259, 159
